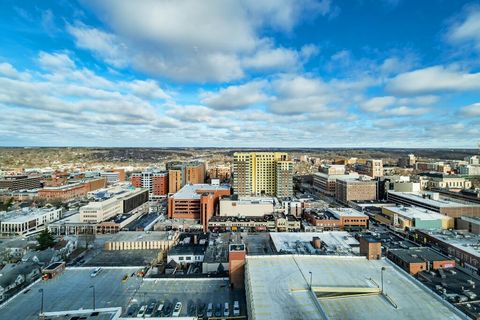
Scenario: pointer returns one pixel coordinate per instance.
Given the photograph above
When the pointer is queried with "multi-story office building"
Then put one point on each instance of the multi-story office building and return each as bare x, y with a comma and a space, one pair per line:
155, 182
120, 202
347, 189
374, 168
196, 201
20, 182
470, 170
27, 221
180, 174
324, 182
255, 173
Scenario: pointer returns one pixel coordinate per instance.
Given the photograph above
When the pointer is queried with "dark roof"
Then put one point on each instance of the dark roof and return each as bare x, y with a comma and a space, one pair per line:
418, 255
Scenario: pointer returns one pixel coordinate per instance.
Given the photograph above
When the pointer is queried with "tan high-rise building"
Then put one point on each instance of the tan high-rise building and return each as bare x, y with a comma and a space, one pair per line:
174, 180
374, 168
257, 173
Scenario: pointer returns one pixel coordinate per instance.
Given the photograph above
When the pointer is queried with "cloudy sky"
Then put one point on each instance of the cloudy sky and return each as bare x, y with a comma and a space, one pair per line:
282, 73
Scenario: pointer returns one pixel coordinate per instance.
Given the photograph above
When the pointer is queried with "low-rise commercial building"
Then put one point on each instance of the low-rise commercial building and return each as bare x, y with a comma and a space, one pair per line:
434, 202
415, 260
405, 217
72, 190
27, 221
325, 181
463, 246
137, 240
434, 180
235, 206
470, 224
336, 219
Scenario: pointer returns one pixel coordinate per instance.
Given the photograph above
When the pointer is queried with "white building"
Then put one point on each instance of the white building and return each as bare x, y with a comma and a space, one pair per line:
470, 170
246, 206
27, 221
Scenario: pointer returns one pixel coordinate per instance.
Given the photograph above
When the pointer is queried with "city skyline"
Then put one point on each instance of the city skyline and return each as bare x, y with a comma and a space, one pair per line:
273, 74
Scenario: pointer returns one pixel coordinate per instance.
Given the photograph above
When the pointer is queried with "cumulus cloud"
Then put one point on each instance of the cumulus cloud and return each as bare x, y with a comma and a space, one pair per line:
377, 104
172, 39
236, 97
433, 80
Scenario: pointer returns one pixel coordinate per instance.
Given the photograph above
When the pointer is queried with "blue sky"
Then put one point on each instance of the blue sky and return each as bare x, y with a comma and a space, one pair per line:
272, 73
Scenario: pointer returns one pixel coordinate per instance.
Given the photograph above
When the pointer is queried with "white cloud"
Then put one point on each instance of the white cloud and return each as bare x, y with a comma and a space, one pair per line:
55, 61
466, 30
432, 80
377, 104
406, 111
472, 110
8, 70
171, 38
236, 97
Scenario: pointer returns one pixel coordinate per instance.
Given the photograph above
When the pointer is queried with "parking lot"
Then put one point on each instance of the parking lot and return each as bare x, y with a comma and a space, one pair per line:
194, 294
120, 287
72, 290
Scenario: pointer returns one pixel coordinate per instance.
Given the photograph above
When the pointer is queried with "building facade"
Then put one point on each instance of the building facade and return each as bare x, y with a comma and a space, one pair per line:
262, 173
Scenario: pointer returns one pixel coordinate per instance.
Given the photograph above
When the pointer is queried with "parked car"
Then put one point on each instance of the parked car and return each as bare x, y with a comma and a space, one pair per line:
236, 308
210, 310
95, 272
177, 309
141, 312
218, 310
226, 310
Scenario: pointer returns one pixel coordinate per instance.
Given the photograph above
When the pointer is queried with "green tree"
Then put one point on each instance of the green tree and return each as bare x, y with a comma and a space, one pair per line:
45, 240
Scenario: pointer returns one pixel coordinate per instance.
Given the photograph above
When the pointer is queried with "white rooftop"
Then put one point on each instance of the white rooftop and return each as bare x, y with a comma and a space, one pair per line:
25, 215
346, 212
189, 191
279, 289
440, 203
340, 241
461, 240
417, 213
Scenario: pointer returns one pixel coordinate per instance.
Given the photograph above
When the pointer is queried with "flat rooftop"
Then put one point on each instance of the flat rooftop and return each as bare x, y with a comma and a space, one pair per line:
442, 202
346, 212
130, 236
417, 213
464, 241
420, 254
250, 200
280, 290
337, 242
26, 215
194, 191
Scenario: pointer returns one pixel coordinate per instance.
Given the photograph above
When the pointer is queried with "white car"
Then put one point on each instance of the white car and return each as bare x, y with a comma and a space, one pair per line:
210, 310
226, 310
236, 308
177, 309
95, 272
141, 312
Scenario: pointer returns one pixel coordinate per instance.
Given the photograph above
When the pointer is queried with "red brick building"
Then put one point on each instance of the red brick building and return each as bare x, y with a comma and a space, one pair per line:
196, 201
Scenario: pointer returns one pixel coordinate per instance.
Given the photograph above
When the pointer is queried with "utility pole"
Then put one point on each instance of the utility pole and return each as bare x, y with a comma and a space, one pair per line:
381, 273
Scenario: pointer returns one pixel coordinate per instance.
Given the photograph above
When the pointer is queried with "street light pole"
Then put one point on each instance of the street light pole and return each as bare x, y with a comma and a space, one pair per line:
93, 287
310, 279
41, 306
381, 273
